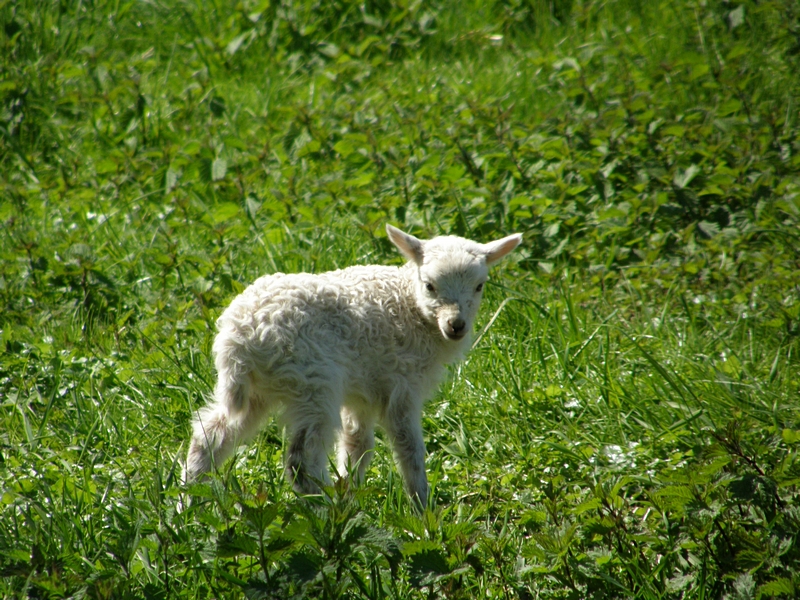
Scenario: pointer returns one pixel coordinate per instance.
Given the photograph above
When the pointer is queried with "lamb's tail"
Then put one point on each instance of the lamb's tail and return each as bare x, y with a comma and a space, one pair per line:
217, 429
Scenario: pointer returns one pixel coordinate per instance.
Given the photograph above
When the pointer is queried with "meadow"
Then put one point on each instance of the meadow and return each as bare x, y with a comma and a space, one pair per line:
628, 422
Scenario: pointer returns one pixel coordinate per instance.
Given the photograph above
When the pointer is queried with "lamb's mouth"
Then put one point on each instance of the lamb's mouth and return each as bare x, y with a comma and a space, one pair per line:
453, 336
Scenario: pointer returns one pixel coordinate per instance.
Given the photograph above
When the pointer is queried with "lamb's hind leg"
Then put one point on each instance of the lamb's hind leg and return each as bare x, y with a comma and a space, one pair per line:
403, 424
232, 419
356, 443
312, 421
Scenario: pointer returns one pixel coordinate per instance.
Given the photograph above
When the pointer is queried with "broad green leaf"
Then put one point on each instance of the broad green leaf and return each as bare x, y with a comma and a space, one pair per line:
736, 17
344, 147
708, 228
225, 211
219, 168
790, 436
684, 178
236, 43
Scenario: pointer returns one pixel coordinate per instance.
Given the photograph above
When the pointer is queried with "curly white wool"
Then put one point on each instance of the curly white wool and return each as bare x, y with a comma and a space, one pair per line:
344, 351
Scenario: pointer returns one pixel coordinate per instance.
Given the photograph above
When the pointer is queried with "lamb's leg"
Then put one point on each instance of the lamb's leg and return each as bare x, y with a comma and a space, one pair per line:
312, 424
232, 419
356, 443
404, 427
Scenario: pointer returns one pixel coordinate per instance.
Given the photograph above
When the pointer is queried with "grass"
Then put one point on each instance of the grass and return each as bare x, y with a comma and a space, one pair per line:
626, 426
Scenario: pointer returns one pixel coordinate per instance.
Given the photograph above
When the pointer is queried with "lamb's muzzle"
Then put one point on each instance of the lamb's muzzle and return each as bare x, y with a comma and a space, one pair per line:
342, 352
456, 328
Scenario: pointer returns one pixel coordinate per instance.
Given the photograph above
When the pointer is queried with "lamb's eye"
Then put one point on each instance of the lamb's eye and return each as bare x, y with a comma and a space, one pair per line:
430, 288
479, 288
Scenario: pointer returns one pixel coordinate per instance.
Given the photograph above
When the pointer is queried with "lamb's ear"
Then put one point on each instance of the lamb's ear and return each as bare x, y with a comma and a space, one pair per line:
408, 245
499, 248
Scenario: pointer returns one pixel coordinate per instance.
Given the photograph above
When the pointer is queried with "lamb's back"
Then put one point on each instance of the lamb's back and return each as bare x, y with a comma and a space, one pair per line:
353, 312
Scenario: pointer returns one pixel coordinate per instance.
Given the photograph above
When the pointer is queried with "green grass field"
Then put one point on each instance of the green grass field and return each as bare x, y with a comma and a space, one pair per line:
628, 423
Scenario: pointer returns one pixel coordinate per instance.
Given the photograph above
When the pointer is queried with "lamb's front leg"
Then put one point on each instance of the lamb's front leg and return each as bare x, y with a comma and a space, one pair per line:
403, 424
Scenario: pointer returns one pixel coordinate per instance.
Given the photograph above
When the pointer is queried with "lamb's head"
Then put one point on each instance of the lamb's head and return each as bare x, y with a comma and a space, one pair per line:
450, 273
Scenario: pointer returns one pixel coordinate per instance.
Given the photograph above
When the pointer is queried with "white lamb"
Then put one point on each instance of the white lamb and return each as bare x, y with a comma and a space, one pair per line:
344, 350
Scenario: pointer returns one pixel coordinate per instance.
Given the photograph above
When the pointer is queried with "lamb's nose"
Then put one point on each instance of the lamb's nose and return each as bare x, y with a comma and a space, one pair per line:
457, 325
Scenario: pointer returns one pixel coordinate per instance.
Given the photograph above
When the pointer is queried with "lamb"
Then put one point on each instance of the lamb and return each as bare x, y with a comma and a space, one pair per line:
344, 351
